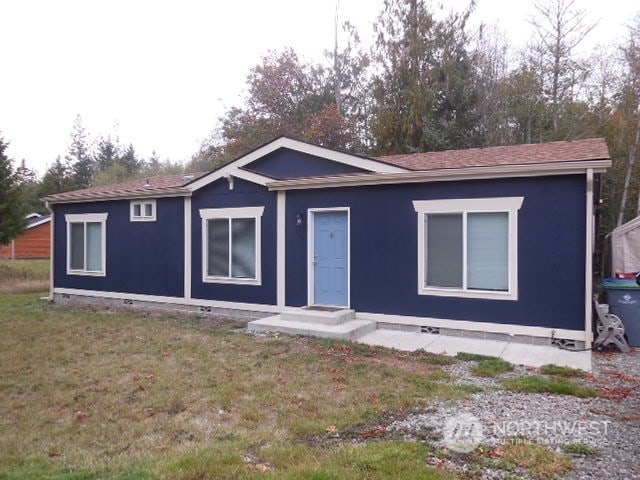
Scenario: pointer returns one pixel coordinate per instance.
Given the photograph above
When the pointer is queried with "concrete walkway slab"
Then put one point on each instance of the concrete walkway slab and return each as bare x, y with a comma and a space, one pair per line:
538, 355
517, 353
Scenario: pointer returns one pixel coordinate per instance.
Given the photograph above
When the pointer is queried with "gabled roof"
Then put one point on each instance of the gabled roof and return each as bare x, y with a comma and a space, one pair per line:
35, 219
526, 154
236, 168
564, 157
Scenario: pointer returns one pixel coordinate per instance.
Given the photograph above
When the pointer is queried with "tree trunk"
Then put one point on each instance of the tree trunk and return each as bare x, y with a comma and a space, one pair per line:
627, 180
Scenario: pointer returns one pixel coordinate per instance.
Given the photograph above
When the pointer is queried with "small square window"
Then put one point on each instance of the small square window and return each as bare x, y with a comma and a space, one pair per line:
143, 211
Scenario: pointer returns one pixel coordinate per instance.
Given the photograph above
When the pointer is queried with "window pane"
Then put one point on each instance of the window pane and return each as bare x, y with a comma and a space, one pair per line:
243, 245
148, 210
218, 248
444, 250
488, 251
136, 210
77, 246
94, 247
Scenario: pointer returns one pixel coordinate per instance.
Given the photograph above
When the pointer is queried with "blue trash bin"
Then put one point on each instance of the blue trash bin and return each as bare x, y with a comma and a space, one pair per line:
623, 297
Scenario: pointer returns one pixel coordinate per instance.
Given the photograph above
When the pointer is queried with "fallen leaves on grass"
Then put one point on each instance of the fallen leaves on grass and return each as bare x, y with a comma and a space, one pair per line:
80, 416
331, 429
374, 432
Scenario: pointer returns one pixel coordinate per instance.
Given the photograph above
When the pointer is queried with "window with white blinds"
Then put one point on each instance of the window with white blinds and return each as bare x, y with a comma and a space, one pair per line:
231, 245
468, 247
86, 244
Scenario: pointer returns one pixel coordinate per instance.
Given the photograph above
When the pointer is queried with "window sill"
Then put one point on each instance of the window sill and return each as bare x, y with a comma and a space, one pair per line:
232, 281
86, 273
480, 294
143, 219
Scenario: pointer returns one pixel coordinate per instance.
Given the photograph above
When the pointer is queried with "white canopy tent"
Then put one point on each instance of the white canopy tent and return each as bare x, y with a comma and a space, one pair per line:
624, 247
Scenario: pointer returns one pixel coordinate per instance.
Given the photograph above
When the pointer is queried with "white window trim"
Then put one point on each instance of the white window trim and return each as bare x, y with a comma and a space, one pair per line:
509, 205
87, 218
142, 217
241, 212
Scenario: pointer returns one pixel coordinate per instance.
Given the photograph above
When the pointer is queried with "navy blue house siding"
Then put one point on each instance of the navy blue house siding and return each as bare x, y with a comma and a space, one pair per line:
141, 257
551, 250
285, 163
244, 194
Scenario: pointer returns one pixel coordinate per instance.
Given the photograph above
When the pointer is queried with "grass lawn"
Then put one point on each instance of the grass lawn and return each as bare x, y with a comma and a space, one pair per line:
24, 276
96, 394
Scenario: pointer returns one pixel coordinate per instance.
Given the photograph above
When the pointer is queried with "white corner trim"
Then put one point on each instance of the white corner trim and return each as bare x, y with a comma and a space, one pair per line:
52, 253
506, 328
232, 213
187, 248
255, 307
281, 249
509, 205
588, 261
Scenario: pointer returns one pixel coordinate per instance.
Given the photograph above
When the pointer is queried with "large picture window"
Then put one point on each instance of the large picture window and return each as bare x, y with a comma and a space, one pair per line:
86, 244
468, 247
231, 245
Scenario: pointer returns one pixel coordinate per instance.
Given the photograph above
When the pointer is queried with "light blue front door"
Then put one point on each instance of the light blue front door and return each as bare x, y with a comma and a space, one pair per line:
330, 258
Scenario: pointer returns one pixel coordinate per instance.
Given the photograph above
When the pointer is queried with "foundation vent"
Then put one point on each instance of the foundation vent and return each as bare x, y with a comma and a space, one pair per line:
432, 330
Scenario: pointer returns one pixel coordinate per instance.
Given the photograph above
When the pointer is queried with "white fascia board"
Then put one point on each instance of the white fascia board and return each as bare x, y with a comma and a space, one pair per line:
137, 195
341, 157
234, 168
442, 175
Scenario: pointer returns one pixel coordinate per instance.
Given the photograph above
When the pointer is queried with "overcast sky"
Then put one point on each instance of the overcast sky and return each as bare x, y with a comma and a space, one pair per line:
165, 70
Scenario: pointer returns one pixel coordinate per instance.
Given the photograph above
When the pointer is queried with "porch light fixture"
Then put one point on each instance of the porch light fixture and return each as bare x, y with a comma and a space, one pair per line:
299, 219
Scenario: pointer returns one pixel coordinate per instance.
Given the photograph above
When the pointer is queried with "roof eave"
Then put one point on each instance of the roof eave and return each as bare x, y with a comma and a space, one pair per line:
446, 174
122, 195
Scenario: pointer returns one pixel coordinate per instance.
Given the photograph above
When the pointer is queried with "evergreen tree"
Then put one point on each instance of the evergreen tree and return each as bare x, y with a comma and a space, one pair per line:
106, 154
425, 94
129, 160
78, 156
30, 186
12, 211
57, 179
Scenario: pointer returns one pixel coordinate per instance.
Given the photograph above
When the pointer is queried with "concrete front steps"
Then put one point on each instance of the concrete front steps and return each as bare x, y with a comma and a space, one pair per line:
316, 322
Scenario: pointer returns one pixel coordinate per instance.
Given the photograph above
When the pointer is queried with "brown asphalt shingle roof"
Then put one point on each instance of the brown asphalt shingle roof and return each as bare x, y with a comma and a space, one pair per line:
535, 153
132, 187
528, 154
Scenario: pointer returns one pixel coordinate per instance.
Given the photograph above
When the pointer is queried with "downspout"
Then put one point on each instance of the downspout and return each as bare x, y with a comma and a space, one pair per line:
51, 255
588, 271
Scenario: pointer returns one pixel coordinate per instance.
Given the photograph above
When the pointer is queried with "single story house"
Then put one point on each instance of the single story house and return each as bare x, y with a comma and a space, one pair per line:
34, 243
489, 242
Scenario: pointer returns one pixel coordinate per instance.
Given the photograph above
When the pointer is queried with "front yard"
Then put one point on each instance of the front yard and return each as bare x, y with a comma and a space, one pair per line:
104, 394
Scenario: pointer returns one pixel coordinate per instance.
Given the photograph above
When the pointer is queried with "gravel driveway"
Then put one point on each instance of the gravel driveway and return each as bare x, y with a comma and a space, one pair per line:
609, 424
